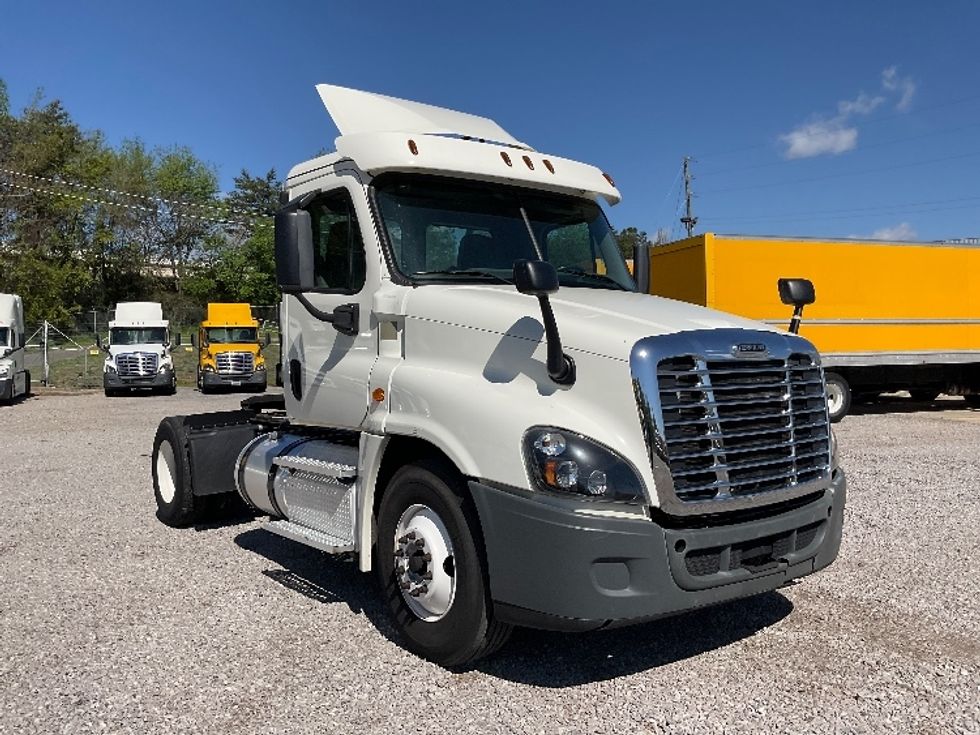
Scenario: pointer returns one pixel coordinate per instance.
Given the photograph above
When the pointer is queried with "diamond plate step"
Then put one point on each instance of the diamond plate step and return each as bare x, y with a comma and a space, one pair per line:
310, 537
315, 466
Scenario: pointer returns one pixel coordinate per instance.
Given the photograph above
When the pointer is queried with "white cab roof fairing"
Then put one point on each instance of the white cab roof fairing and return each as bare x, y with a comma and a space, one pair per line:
354, 111
375, 136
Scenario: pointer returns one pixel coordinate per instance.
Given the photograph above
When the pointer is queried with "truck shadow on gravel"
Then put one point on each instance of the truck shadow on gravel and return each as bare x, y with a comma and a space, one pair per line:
558, 660
531, 657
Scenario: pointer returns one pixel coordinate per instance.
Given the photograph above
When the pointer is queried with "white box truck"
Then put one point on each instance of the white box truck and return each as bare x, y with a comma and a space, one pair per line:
139, 350
481, 408
15, 379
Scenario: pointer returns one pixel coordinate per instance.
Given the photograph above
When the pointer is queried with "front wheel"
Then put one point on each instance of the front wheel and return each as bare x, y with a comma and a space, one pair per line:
431, 569
838, 396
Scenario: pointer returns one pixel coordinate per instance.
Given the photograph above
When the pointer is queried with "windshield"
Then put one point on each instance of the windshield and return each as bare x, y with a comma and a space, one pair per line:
454, 230
227, 335
4, 336
137, 335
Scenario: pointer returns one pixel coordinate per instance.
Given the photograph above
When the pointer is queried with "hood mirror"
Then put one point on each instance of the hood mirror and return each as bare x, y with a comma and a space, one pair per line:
539, 278
796, 292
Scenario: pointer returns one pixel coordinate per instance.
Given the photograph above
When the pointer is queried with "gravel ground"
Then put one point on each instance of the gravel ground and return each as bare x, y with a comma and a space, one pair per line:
112, 622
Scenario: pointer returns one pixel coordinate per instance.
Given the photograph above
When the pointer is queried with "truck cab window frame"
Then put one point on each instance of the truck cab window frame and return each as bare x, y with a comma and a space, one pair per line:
339, 258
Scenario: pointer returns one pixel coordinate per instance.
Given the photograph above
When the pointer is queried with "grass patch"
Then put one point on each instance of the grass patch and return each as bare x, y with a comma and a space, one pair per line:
70, 373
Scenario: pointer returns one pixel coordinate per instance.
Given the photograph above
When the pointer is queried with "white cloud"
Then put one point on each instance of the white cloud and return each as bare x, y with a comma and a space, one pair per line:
903, 231
819, 138
864, 104
833, 135
905, 86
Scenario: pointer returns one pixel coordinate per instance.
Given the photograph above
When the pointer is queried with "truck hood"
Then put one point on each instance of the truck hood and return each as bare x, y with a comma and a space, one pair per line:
597, 321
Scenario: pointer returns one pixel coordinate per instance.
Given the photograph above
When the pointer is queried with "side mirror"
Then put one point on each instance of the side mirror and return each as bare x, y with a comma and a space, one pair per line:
539, 278
193, 340
98, 341
177, 339
268, 339
796, 292
535, 277
294, 250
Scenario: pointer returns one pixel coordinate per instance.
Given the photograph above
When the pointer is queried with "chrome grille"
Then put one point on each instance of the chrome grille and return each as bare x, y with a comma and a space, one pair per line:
136, 364
235, 363
734, 428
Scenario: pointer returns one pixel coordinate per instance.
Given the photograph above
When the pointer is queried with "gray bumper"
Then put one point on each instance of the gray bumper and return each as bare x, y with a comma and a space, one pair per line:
554, 569
160, 380
215, 380
6, 389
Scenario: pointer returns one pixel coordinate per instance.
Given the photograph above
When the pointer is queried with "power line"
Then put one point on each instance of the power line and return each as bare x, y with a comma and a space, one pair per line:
139, 207
871, 121
844, 174
879, 144
145, 197
879, 208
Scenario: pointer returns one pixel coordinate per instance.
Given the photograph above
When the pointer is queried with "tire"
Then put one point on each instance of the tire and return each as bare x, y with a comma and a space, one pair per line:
838, 397
451, 623
924, 395
973, 401
27, 384
171, 469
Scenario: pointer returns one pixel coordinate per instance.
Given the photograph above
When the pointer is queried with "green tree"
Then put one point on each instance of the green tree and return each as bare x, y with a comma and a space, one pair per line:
629, 239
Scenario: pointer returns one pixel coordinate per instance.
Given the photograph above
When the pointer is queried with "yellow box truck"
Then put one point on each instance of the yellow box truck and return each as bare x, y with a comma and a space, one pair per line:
229, 353
888, 315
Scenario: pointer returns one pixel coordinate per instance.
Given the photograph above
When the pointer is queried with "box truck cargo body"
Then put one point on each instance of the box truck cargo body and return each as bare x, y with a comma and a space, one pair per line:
888, 315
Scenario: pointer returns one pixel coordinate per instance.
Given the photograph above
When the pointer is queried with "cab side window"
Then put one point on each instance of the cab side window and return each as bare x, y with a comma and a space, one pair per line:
338, 251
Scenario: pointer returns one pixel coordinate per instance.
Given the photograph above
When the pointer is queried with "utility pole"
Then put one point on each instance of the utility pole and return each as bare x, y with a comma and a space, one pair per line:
688, 220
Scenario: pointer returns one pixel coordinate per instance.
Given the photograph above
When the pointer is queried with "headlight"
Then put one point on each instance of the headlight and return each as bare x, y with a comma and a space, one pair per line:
260, 366
109, 367
209, 368
564, 462
4, 371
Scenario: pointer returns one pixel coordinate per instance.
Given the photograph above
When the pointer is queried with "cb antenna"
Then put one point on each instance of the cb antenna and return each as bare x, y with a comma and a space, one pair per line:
688, 220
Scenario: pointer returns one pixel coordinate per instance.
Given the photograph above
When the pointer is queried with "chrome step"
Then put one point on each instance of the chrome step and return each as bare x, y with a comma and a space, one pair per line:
314, 466
310, 537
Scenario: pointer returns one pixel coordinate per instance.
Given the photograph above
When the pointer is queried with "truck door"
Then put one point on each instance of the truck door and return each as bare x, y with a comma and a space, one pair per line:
324, 371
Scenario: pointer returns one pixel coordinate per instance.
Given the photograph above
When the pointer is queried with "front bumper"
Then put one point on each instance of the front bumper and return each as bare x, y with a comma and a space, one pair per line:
553, 568
216, 380
160, 380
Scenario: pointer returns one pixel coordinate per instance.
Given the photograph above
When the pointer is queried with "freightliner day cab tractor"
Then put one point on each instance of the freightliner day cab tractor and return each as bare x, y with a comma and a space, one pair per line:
138, 351
229, 354
481, 408
15, 380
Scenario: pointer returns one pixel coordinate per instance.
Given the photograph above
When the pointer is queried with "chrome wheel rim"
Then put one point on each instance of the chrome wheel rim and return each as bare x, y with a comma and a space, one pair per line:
425, 567
835, 398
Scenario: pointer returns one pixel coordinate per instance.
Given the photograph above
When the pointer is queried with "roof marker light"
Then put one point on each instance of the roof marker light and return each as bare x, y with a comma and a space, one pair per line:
503, 154
412, 147
529, 162
608, 178
547, 165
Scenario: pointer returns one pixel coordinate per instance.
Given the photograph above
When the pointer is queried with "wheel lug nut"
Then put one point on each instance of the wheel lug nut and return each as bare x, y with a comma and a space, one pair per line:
399, 552
427, 575
420, 543
427, 557
410, 535
423, 589
404, 585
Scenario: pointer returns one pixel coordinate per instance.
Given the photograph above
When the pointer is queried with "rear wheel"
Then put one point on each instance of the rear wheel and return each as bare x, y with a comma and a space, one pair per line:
171, 471
430, 567
838, 396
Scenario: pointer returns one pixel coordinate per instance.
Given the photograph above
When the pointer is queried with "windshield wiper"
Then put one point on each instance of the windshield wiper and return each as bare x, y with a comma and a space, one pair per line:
589, 274
465, 272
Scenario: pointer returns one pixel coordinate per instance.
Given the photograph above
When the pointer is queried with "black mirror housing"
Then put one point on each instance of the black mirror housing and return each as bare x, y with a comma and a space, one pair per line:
535, 277
294, 250
796, 291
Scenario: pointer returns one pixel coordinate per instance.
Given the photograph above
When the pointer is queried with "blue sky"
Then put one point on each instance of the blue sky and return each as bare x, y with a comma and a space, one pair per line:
820, 118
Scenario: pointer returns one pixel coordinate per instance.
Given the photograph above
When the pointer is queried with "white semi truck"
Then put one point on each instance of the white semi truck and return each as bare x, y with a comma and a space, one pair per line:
138, 350
480, 407
15, 379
